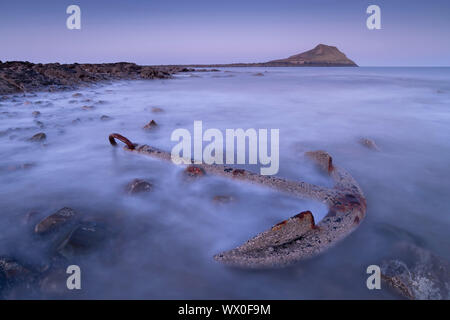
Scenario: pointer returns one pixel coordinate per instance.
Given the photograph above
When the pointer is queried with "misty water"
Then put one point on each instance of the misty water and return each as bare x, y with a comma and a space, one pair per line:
163, 242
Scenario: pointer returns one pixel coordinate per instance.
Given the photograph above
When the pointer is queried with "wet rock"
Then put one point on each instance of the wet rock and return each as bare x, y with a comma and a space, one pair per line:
369, 143
41, 136
36, 114
152, 124
86, 237
11, 274
76, 95
259, 74
138, 186
194, 171
223, 199
416, 273
157, 110
55, 221
105, 118
87, 107
26, 103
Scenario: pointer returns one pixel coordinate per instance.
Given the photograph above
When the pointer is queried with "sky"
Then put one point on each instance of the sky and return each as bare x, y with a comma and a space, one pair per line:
153, 32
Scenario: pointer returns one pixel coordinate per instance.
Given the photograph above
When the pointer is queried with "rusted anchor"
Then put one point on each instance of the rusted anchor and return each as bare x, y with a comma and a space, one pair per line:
298, 237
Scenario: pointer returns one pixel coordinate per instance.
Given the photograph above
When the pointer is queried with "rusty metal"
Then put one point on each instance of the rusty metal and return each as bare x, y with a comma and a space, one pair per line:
120, 137
298, 237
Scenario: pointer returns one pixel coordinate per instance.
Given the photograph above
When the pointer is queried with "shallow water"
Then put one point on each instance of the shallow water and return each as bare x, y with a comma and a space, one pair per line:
168, 237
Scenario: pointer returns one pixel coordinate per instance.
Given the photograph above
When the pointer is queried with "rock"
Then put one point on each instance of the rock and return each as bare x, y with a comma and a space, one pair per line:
77, 120
105, 118
368, 143
41, 136
19, 76
157, 110
55, 221
36, 114
152, 124
416, 273
194, 171
138, 186
87, 107
86, 237
259, 74
223, 199
11, 270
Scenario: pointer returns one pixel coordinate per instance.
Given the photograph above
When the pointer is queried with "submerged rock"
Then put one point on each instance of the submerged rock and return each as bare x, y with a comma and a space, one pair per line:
57, 220
41, 136
87, 107
36, 114
369, 143
223, 199
87, 236
157, 110
105, 118
152, 124
416, 273
138, 186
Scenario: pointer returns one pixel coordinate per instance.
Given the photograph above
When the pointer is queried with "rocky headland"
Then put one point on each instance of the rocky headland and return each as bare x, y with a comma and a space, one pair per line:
19, 76
321, 56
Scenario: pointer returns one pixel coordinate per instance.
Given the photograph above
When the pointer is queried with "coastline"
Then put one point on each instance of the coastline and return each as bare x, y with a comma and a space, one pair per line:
25, 77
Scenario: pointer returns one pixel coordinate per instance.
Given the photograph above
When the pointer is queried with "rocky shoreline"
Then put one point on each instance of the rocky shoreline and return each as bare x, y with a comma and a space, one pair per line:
20, 76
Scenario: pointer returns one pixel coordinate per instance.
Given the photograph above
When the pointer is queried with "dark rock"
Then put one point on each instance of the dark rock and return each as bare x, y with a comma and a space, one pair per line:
36, 114
87, 107
105, 118
138, 186
55, 221
18, 76
152, 124
87, 236
41, 136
